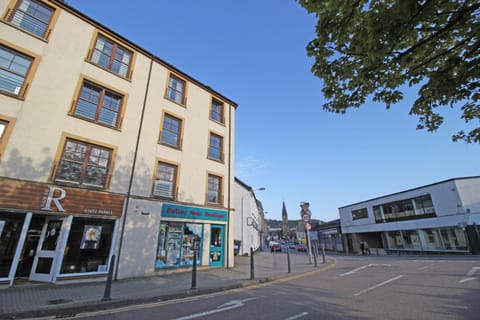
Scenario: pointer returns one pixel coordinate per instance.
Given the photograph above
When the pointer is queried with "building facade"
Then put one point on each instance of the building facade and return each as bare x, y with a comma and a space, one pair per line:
105, 150
442, 217
249, 219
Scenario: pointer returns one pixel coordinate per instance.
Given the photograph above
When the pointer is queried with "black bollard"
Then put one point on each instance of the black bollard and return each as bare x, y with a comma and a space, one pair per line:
108, 285
252, 269
194, 270
323, 254
288, 260
315, 260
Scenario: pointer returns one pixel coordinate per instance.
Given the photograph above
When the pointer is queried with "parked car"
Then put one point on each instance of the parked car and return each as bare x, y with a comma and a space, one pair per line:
274, 246
302, 248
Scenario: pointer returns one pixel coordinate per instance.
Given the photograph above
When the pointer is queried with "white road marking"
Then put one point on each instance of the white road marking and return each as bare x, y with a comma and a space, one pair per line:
297, 316
469, 276
224, 307
378, 285
364, 267
456, 307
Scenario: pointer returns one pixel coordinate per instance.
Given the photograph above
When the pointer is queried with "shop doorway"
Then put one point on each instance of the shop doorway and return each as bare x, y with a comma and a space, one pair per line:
216, 245
49, 250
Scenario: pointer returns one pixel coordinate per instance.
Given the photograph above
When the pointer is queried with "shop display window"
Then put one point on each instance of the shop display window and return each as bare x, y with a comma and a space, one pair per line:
10, 229
176, 244
88, 246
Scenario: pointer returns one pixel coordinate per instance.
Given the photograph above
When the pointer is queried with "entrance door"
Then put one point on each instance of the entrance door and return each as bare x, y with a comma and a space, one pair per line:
51, 246
216, 245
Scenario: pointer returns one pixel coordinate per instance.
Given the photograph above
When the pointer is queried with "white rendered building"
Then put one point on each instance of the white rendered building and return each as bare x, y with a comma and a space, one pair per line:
442, 217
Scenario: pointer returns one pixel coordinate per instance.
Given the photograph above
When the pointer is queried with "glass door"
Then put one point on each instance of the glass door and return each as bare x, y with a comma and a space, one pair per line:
51, 246
216, 245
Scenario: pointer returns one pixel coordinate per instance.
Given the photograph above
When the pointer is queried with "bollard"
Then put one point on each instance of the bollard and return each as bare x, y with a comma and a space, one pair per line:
288, 261
252, 270
194, 271
108, 285
323, 254
315, 260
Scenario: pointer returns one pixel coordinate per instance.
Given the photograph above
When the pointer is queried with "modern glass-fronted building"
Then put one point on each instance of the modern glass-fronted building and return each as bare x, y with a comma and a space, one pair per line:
442, 217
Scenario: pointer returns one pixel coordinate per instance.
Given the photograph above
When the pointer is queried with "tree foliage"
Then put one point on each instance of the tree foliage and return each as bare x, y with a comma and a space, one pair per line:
371, 48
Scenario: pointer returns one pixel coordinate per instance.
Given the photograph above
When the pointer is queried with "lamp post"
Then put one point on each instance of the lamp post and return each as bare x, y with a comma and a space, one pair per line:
252, 192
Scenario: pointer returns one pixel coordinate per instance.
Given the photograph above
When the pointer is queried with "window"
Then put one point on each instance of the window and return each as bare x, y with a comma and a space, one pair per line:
216, 113
215, 148
414, 208
88, 246
14, 68
165, 181
214, 189
171, 128
359, 214
3, 129
111, 56
32, 16
84, 164
176, 89
176, 242
98, 104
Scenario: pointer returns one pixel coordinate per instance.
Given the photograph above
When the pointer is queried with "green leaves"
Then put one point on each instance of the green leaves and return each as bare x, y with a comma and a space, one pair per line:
371, 48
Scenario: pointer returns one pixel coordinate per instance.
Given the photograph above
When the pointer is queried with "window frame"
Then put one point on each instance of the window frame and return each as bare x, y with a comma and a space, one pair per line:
211, 147
169, 89
6, 133
84, 163
28, 74
174, 181
99, 105
179, 132
218, 191
221, 113
14, 9
111, 57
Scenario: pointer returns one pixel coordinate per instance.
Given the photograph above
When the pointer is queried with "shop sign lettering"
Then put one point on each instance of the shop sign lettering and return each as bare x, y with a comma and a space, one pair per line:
174, 211
55, 200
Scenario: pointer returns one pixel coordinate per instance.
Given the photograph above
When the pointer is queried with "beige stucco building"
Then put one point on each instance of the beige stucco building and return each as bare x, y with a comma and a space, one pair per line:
105, 150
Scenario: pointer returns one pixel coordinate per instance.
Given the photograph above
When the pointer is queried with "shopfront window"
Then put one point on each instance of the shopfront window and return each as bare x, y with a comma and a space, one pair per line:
432, 239
176, 243
454, 239
10, 229
88, 246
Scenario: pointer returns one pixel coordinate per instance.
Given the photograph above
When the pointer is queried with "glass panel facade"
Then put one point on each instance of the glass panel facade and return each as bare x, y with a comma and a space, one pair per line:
414, 208
10, 229
444, 239
88, 246
176, 242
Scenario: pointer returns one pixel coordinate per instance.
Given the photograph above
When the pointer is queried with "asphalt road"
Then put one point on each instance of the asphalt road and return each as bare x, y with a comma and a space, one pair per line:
363, 287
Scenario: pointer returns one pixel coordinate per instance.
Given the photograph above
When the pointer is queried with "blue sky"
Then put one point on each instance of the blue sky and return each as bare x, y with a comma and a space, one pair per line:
253, 52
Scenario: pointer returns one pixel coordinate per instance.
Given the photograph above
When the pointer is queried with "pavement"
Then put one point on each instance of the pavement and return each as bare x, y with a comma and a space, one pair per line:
63, 300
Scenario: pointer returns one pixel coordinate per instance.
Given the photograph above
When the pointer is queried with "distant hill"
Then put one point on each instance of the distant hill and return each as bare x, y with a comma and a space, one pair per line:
291, 223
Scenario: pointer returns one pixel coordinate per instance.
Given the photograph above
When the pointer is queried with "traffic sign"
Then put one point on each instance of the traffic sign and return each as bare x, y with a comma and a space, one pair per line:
306, 217
308, 226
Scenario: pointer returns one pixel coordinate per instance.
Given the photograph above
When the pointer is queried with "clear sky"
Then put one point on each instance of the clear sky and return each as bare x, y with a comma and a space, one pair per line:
253, 52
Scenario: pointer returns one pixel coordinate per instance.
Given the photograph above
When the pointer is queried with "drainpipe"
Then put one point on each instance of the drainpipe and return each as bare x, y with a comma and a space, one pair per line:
127, 200
229, 180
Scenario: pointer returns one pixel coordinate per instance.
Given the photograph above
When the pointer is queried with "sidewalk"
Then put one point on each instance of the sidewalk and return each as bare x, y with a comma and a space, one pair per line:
61, 300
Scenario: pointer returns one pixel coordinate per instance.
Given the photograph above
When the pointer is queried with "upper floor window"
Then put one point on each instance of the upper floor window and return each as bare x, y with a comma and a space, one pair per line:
32, 16
408, 209
14, 68
216, 112
84, 164
112, 56
214, 189
359, 214
176, 89
165, 181
215, 149
99, 104
171, 130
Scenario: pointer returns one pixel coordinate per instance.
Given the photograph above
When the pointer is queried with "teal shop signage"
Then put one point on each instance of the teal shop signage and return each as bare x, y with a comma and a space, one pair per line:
173, 211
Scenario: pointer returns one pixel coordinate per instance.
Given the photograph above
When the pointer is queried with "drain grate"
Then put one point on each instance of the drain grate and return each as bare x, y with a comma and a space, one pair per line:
59, 301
